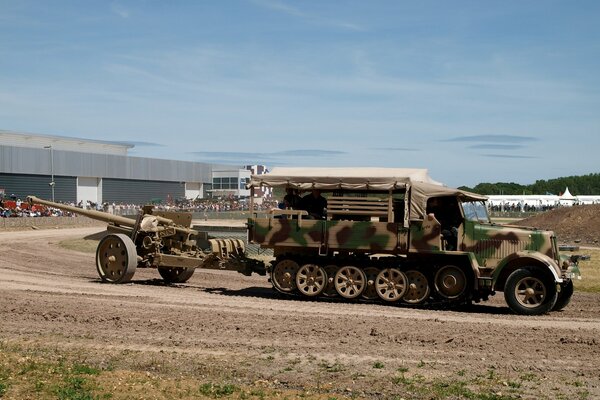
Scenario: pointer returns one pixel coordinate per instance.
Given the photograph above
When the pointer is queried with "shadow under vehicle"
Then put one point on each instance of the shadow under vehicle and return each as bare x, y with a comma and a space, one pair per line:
396, 235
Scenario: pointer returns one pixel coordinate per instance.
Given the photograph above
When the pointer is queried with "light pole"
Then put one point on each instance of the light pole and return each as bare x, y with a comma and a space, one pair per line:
52, 183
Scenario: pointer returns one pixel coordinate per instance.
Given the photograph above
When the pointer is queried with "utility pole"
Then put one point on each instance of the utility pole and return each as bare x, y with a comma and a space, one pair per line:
52, 183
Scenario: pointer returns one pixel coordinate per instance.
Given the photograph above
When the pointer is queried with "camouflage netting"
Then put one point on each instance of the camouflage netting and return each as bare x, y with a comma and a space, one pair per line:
571, 224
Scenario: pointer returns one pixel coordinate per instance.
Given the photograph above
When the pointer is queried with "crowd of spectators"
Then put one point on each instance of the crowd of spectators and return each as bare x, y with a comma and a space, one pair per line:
10, 208
15, 208
516, 207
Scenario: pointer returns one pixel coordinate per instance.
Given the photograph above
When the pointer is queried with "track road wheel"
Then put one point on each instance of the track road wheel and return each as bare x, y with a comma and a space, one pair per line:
370, 293
564, 296
116, 258
329, 290
311, 279
283, 276
529, 291
350, 282
391, 284
176, 274
450, 282
418, 288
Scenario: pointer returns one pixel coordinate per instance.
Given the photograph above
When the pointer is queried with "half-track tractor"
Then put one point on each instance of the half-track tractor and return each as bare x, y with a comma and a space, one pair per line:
395, 235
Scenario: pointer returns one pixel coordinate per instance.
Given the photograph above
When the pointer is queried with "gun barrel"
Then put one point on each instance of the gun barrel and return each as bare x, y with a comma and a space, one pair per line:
97, 215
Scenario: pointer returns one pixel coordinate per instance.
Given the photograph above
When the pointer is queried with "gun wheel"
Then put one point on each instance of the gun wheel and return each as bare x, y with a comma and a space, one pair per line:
311, 279
450, 282
176, 274
370, 293
329, 290
350, 282
283, 276
116, 258
391, 284
418, 287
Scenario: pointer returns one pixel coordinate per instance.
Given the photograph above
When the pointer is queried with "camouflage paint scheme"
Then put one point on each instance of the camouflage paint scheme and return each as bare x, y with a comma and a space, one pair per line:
493, 246
486, 253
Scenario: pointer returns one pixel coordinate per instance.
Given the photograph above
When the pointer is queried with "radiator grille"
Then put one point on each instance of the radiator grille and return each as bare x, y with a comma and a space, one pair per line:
491, 248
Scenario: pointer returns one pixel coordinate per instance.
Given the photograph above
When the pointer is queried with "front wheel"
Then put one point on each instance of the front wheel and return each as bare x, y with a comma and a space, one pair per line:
529, 291
564, 296
116, 258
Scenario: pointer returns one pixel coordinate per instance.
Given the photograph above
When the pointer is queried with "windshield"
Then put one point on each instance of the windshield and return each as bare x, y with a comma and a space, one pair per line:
475, 211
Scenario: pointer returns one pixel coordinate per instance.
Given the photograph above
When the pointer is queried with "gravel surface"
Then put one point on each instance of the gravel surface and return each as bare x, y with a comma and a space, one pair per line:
225, 326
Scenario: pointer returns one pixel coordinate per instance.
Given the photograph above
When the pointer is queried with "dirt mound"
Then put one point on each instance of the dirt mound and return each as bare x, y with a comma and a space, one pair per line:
577, 224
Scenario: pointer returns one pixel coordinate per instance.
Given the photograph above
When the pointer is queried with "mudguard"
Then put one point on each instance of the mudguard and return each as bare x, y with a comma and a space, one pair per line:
522, 258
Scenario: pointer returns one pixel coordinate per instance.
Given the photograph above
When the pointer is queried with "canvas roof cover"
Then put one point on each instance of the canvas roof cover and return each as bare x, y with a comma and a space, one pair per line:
342, 178
422, 186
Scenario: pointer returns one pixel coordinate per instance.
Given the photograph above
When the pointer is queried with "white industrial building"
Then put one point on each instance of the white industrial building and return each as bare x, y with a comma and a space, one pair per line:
74, 170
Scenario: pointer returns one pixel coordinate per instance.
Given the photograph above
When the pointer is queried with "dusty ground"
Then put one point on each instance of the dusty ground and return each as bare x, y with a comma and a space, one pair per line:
224, 327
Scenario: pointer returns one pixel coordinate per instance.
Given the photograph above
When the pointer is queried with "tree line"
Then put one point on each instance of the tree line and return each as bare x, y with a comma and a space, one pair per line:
578, 185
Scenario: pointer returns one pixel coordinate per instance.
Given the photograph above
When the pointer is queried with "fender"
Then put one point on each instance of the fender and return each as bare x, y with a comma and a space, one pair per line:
528, 255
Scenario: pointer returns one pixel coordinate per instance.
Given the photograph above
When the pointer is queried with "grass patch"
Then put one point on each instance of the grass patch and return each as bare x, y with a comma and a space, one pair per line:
80, 245
332, 368
590, 272
378, 365
39, 373
215, 390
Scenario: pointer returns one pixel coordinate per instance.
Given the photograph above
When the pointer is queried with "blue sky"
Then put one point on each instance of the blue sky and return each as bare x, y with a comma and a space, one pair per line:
475, 91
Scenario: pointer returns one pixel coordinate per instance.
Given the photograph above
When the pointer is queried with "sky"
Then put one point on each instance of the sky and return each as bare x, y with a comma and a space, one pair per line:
474, 91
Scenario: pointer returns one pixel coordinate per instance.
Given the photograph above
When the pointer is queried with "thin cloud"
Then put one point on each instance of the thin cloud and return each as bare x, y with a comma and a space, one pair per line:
308, 153
143, 144
493, 139
273, 158
119, 10
495, 146
508, 156
280, 6
395, 149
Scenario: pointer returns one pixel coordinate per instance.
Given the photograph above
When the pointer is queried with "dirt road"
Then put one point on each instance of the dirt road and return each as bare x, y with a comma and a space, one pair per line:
228, 327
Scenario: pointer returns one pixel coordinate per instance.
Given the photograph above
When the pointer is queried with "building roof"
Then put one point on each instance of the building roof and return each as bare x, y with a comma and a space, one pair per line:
23, 139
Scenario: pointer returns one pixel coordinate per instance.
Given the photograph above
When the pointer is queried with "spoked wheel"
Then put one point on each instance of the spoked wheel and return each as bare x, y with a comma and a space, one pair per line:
283, 276
350, 282
450, 282
529, 291
370, 293
418, 287
176, 274
311, 279
116, 258
330, 271
391, 284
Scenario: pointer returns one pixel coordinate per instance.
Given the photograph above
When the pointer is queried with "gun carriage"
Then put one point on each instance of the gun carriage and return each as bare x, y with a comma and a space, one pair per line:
161, 240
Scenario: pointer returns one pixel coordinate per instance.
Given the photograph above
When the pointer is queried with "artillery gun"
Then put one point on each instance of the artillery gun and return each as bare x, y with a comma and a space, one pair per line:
162, 240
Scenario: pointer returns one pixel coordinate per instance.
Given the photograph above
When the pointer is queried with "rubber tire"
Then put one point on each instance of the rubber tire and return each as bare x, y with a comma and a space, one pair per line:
176, 274
564, 296
514, 304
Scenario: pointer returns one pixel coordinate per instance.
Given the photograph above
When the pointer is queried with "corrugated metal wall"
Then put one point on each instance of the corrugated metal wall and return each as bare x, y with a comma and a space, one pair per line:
139, 192
22, 160
21, 186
